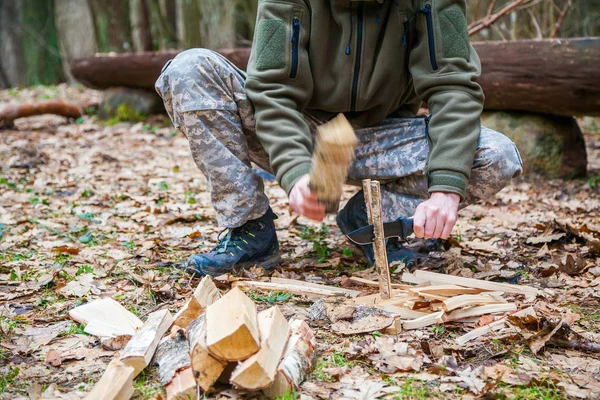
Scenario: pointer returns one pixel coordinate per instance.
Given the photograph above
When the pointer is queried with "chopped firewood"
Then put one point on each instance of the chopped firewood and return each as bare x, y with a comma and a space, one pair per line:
467, 300
339, 290
478, 311
297, 360
182, 386
205, 294
259, 371
115, 384
425, 321
231, 327
332, 156
57, 107
368, 282
434, 297
416, 304
206, 369
475, 283
172, 355
314, 290
140, 349
404, 313
483, 330
395, 328
443, 290
373, 199
106, 318
375, 299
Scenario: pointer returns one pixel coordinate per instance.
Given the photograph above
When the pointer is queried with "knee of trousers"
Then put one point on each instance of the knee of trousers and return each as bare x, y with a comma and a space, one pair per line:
499, 162
192, 81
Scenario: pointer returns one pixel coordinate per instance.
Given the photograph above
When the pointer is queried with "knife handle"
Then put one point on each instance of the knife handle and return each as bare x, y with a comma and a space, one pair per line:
409, 227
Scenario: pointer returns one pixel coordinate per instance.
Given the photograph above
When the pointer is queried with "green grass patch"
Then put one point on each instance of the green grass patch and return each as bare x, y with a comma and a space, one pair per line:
272, 298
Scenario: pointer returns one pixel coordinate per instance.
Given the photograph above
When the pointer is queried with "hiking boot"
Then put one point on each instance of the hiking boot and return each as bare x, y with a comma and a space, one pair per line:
254, 243
354, 216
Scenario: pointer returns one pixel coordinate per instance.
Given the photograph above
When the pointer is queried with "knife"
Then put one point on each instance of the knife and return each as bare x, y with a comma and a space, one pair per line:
401, 228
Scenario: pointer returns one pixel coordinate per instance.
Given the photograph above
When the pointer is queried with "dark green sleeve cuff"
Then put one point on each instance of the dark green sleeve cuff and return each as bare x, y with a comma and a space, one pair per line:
448, 181
290, 178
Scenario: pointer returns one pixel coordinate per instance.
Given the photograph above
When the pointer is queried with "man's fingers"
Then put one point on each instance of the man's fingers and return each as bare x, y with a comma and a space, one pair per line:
419, 222
430, 224
450, 221
440, 225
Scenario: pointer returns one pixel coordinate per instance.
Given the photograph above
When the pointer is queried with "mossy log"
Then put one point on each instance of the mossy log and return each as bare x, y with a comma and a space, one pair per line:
550, 145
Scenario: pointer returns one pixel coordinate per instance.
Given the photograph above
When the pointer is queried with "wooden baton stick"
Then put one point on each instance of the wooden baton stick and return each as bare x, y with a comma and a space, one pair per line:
373, 199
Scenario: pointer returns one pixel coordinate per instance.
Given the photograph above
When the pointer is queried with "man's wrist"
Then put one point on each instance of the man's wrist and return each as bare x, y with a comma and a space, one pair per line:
447, 196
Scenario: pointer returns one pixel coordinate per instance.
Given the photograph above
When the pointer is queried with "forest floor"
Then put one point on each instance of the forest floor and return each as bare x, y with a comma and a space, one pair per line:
89, 210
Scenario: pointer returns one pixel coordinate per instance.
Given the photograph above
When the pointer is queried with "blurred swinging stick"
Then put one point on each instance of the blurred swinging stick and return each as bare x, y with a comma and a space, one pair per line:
334, 152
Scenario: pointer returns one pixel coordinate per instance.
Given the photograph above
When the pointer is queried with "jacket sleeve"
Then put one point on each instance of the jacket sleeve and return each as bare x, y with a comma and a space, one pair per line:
279, 85
445, 67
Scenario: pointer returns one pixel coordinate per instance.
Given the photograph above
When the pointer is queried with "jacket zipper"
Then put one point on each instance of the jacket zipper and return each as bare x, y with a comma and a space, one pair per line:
295, 42
359, 33
430, 36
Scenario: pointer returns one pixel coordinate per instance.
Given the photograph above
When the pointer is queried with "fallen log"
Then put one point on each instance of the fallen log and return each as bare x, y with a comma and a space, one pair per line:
554, 76
172, 355
11, 112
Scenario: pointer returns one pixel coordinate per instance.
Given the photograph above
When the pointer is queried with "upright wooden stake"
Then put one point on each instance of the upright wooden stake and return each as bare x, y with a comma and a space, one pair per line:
373, 199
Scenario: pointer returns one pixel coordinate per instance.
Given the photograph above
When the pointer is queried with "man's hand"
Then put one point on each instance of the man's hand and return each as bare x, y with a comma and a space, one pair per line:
436, 217
304, 202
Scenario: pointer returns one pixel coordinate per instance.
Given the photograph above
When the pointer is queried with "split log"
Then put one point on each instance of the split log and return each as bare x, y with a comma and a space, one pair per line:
115, 384
475, 283
333, 154
140, 349
231, 327
182, 386
370, 283
466, 300
444, 290
205, 294
297, 360
172, 355
106, 318
11, 112
259, 371
423, 322
298, 288
206, 369
553, 76
478, 311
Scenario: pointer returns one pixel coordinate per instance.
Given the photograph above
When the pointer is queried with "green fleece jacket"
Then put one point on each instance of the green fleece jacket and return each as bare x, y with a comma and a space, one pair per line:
367, 59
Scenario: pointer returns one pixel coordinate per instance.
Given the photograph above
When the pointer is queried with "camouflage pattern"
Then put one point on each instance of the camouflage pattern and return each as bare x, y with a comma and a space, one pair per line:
204, 95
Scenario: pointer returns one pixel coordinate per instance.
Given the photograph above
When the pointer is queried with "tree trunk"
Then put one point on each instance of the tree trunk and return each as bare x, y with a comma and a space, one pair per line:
188, 27
140, 25
12, 69
217, 25
73, 21
43, 64
111, 21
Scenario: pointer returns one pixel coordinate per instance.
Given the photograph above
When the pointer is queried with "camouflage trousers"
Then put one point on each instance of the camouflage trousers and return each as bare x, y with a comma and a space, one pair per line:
204, 95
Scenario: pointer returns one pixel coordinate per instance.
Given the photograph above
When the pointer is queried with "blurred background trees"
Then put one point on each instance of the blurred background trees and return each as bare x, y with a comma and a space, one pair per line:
39, 38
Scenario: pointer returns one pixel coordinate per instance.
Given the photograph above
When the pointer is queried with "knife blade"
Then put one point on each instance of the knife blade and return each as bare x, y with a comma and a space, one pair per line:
401, 228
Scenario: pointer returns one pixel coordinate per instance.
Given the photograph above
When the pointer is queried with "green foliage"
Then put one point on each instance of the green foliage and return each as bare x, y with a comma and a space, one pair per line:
318, 238
84, 269
412, 390
8, 379
162, 185
125, 113
272, 297
347, 252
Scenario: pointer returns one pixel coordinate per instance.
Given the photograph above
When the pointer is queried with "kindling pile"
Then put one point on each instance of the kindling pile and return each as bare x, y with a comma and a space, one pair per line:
214, 339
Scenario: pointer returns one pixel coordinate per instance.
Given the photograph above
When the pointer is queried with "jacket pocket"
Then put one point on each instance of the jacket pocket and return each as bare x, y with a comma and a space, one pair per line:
428, 12
295, 43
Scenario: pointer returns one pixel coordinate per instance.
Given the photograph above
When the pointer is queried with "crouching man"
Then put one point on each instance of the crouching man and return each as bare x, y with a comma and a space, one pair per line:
375, 61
